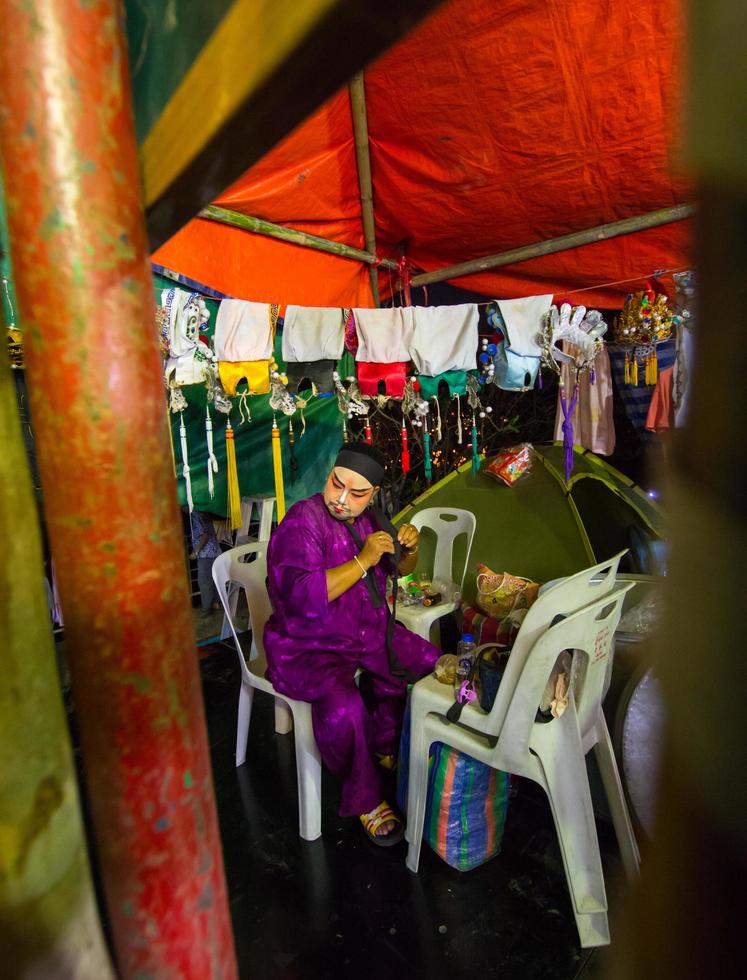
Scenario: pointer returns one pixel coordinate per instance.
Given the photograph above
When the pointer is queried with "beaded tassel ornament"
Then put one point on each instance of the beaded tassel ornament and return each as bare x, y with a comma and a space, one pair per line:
232, 479
185, 462
475, 452
568, 408
212, 462
427, 461
405, 449
277, 465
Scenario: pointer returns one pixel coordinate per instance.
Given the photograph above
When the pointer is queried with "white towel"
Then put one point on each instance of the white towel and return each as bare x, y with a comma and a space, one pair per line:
312, 333
243, 331
444, 338
523, 319
384, 336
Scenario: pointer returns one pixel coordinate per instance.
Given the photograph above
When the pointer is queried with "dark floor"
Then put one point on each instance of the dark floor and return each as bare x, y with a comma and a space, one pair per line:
341, 907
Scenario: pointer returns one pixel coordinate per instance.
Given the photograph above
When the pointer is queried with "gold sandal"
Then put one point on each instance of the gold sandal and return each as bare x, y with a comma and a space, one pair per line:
381, 815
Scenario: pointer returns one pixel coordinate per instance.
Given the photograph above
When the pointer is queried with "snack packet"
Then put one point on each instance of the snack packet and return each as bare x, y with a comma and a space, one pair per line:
510, 464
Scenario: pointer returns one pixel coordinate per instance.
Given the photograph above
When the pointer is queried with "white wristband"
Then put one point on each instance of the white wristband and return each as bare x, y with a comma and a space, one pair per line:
365, 571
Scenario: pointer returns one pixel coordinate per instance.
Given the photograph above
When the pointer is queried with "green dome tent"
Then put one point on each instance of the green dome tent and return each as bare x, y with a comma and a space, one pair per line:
542, 529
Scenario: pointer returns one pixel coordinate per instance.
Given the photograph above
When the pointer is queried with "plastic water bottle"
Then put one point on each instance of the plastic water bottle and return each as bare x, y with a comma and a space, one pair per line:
466, 651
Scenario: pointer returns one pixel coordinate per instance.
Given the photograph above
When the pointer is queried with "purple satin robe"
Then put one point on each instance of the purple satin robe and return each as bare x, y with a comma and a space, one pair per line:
314, 648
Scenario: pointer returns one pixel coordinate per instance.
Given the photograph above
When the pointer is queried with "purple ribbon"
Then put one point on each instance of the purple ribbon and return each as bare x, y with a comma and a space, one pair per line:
568, 408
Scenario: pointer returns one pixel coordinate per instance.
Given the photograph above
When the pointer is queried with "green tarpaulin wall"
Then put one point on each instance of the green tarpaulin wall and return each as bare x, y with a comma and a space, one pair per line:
314, 451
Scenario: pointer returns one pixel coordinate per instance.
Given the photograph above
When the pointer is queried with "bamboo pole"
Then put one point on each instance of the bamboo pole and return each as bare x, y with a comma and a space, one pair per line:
259, 226
576, 238
49, 923
85, 297
363, 158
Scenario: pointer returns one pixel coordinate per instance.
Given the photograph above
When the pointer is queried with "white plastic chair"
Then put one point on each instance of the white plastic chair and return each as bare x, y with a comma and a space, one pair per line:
552, 753
264, 508
447, 523
289, 714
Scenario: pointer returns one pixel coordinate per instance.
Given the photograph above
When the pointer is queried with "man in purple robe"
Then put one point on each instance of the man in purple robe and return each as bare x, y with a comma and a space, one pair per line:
327, 566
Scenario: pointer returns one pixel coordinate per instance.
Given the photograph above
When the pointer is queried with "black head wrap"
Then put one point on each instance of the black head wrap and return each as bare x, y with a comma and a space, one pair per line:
363, 459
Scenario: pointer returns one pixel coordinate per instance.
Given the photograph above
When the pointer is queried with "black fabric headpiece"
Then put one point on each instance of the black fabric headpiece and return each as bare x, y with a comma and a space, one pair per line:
363, 459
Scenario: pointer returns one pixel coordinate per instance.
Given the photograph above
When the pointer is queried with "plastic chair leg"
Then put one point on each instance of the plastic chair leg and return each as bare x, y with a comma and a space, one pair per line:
246, 696
417, 788
309, 775
561, 758
233, 603
610, 774
283, 717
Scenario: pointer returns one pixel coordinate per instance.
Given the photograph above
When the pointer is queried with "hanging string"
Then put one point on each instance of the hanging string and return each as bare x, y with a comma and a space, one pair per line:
244, 413
302, 403
657, 274
185, 461
212, 462
459, 419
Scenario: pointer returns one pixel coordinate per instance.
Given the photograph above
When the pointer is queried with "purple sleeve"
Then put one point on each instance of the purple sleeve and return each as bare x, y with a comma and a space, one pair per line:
296, 568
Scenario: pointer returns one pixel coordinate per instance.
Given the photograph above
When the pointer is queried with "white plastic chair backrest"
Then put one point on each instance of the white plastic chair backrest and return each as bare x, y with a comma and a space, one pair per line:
447, 530
251, 576
589, 633
564, 598
265, 507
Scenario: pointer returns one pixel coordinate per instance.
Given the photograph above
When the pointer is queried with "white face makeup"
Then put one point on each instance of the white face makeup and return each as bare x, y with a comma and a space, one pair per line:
346, 493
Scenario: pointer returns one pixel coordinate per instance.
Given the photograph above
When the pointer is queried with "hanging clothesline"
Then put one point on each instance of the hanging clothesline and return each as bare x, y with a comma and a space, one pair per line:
207, 292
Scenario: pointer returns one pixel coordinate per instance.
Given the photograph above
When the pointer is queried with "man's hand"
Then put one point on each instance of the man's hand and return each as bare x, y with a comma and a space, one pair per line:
409, 536
377, 544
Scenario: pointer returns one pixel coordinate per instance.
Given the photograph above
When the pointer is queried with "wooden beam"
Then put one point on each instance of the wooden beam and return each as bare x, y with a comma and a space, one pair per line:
363, 158
576, 238
301, 69
258, 226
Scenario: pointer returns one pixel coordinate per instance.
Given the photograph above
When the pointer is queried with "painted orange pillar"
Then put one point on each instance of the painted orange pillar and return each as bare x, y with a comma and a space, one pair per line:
82, 277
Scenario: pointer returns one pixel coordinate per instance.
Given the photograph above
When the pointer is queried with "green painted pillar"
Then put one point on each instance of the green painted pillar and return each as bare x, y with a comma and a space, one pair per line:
48, 919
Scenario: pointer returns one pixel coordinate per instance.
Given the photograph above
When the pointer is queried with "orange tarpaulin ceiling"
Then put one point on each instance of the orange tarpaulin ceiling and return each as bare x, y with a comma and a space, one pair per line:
495, 124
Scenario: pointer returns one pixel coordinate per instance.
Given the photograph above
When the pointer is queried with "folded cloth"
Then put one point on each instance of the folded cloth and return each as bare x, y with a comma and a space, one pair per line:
318, 373
444, 338
661, 407
255, 373
456, 382
243, 331
186, 312
636, 398
384, 336
312, 333
485, 629
593, 421
393, 376
523, 321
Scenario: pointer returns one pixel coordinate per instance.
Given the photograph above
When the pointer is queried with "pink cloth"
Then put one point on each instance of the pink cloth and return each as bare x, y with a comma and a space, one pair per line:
661, 408
314, 648
593, 424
